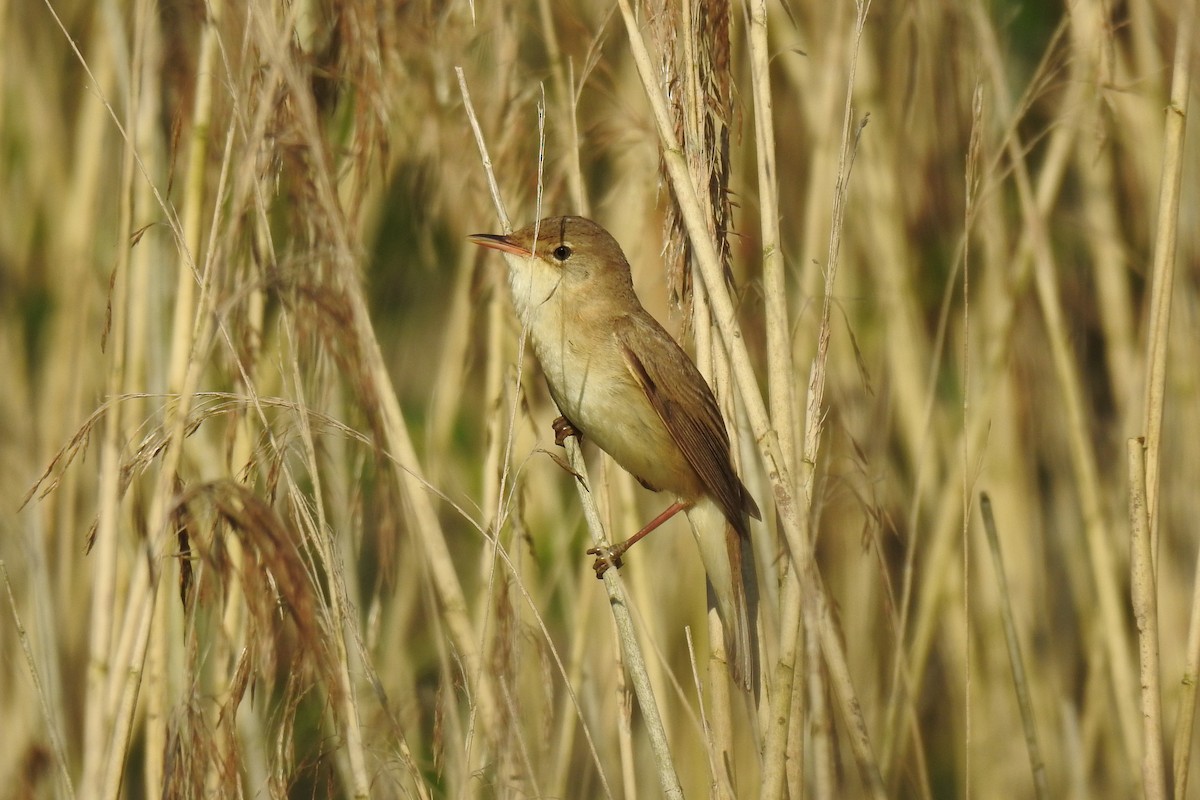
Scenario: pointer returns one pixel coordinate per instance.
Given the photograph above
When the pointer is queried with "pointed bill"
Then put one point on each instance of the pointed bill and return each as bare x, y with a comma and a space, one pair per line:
504, 244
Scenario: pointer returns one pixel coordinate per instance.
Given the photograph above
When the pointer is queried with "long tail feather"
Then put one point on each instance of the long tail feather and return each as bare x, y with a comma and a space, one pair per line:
729, 561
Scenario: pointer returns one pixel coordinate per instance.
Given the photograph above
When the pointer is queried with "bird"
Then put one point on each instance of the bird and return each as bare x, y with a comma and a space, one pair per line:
622, 382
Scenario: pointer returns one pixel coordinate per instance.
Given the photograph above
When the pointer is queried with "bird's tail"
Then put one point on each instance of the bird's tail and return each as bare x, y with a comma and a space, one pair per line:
729, 561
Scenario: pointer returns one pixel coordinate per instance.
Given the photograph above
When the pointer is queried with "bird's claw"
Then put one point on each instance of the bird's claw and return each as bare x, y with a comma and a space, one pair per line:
563, 430
604, 560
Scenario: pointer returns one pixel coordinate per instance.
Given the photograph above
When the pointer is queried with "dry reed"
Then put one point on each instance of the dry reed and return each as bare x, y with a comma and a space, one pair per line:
282, 511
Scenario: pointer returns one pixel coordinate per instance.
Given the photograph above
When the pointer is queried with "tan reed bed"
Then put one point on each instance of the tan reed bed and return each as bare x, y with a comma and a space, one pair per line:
282, 512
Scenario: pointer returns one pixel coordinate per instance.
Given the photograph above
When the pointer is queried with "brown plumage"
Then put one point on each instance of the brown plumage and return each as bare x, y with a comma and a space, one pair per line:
625, 384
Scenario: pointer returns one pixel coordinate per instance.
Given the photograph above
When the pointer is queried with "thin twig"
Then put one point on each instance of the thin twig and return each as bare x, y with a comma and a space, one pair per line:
634, 660
1163, 275
1144, 589
1015, 660
60, 751
717, 775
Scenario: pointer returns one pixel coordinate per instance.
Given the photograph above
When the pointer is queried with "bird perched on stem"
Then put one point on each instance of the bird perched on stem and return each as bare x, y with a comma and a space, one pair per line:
621, 381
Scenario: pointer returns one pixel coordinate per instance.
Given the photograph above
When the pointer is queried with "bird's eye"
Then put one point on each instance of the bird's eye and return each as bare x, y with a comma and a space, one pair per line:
561, 253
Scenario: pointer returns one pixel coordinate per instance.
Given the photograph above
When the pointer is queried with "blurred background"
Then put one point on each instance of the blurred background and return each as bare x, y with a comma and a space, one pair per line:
280, 510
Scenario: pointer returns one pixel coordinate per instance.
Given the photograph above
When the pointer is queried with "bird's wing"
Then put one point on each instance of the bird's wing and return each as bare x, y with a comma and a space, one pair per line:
685, 404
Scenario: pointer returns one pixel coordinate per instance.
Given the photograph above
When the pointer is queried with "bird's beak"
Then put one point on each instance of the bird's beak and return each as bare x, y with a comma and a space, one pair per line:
502, 243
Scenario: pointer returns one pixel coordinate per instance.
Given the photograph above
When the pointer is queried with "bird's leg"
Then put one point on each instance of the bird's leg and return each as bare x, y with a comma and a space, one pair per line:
563, 430
611, 556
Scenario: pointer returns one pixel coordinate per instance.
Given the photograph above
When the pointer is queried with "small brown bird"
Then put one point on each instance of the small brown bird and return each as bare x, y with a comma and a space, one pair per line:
621, 381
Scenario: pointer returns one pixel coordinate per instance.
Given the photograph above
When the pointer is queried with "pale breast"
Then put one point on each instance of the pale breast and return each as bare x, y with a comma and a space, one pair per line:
592, 386
591, 383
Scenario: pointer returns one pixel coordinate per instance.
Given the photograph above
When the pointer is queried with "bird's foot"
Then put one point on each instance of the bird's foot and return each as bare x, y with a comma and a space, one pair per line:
611, 556
563, 429
606, 557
